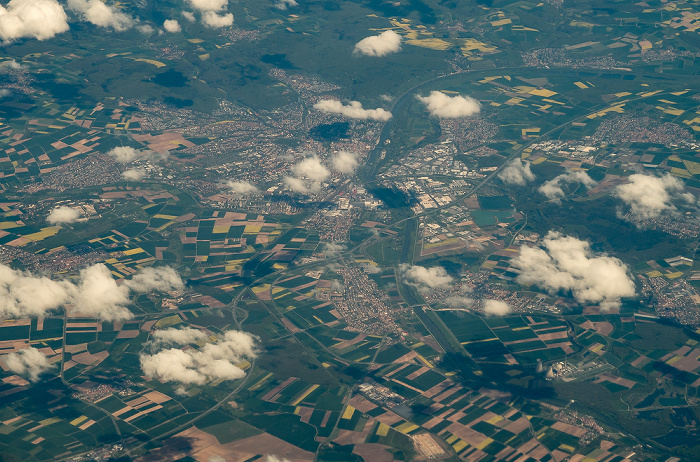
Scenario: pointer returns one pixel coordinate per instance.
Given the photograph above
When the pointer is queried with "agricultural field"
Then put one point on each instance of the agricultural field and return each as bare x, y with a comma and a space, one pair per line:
300, 231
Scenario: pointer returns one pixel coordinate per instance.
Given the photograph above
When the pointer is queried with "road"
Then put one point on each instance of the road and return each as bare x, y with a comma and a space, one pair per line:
67, 385
373, 163
368, 176
369, 171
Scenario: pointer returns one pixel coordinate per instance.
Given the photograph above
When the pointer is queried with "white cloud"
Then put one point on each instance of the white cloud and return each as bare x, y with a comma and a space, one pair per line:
95, 294
426, 278
650, 196
174, 336
295, 184
171, 25
28, 362
379, 45
174, 365
161, 278
272, 458
4, 92
241, 188
39, 19
24, 295
209, 9
450, 107
567, 263
63, 214
98, 295
332, 249
100, 14
353, 110
496, 307
145, 29
312, 169
459, 301
284, 4
371, 269
553, 190
345, 162
217, 459
11, 64
126, 154
214, 361
209, 5
134, 174
517, 172
308, 175
301, 186
215, 21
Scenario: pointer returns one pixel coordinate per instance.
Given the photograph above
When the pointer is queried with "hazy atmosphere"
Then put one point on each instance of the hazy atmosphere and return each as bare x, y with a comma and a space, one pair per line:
362, 230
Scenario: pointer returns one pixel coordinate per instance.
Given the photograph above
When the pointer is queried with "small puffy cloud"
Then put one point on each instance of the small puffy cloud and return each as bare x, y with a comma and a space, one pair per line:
215, 21
25, 295
450, 107
100, 14
126, 154
94, 294
459, 301
98, 295
496, 307
214, 361
210, 13
272, 458
171, 25
517, 172
426, 278
174, 336
175, 365
217, 459
379, 45
284, 4
354, 110
241, 188
134, 174
4, 92
332, 249
39, 19
649, 196
308, 175
312, 169
345, 162
11, 64
567, 263
553, 190
28, 362
295, 184
162, 279
145, 29
208, 5
63, 215
300, 186
371, 269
